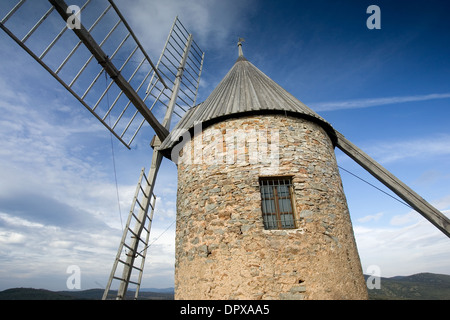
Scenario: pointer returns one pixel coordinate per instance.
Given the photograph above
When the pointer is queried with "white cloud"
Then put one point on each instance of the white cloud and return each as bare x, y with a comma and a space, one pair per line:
165, 208
405, 219
37, 254
211, 21
8, 237
369, 218
374, 102
442, 204
409, 244
58, 204
421, 148
403, 251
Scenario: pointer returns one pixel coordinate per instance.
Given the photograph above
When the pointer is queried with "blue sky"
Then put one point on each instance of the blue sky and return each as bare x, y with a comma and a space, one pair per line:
387, 91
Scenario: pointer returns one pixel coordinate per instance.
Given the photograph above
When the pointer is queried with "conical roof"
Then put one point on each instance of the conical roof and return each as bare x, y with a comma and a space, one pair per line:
245, 90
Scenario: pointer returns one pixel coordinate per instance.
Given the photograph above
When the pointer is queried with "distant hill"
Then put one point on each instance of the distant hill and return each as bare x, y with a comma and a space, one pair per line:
422, 286
93, 294
32, 294
164, 290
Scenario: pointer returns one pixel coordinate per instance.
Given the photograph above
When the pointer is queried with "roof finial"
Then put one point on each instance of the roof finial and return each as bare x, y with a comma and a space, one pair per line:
241, 53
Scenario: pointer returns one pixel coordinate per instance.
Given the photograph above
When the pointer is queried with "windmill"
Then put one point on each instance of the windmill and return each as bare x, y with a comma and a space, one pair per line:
171, 85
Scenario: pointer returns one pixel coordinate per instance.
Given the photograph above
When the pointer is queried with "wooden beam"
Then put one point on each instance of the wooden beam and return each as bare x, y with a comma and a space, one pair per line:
433, 215
109, 67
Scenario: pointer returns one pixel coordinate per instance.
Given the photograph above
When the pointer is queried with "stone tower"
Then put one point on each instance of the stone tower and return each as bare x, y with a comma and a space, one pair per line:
261, 211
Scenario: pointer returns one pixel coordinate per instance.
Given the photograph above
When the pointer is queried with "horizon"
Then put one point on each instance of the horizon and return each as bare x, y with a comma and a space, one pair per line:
387, 90
173, 288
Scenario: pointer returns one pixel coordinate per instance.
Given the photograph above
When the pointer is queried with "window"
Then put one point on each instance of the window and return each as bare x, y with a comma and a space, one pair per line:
276, 202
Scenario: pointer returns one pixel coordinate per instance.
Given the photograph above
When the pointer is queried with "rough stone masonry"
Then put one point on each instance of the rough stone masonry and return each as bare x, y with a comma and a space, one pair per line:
222, 248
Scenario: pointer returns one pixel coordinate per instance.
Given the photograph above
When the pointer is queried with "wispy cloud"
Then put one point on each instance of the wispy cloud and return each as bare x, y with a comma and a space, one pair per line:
422, 148
36, 254
58, 204
405, 219
212, 21
367, 103
409, 240
370, 218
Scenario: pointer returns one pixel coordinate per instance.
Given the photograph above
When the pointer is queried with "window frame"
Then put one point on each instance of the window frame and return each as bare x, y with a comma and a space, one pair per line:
274, 182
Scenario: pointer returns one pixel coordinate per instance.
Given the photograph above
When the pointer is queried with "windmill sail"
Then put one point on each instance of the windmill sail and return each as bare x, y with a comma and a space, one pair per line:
181, 69
132, 92
103, 66
124, 267
433, 215
181, 63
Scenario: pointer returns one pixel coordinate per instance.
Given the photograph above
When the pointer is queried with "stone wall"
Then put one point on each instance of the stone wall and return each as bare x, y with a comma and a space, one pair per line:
222, 248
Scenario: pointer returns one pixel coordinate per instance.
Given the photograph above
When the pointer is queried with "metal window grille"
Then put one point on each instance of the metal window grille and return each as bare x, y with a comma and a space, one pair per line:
276, 202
